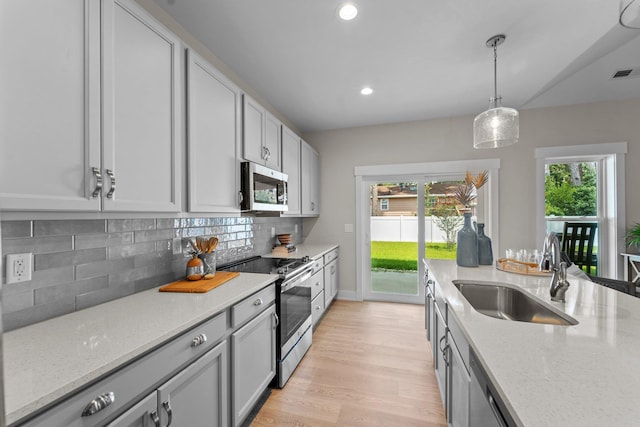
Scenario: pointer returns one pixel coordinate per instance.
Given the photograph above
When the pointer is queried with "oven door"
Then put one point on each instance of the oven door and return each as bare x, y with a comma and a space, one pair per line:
295, 308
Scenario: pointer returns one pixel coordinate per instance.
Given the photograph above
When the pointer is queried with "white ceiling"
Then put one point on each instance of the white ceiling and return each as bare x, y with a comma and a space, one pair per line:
424, 58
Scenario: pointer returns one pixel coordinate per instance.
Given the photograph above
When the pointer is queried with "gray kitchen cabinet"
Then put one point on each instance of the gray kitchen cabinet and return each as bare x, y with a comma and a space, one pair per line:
317, 293
194, 397
450, 357
197, 396
253, 362
440, 357
262, 140
458, 386
50, 84
214, 127
121, 389
141, 110
291, 166
310, 180
330, 277
103, 101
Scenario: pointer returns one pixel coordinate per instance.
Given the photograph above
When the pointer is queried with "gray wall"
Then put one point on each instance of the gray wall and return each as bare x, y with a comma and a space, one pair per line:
451, 139
83, 262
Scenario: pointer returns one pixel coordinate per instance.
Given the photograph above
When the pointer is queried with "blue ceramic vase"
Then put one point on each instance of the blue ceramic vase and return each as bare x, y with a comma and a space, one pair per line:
485, 253
467, 244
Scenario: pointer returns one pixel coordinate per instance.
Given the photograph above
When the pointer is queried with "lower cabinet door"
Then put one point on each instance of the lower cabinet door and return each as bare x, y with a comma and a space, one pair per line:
254, 362
197, 395
441, 350
143, 414
459, 383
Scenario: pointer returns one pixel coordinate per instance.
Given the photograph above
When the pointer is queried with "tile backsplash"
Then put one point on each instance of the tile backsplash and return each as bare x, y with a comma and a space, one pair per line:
81, 263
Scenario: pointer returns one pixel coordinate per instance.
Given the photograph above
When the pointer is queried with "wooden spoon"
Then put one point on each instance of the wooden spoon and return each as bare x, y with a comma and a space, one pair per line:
213, 242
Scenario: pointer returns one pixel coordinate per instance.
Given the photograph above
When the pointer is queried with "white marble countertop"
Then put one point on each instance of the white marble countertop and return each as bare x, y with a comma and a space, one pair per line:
47, 360
582, 375
313, 251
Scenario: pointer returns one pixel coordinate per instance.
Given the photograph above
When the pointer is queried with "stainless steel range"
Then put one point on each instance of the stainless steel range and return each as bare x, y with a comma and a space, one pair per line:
293, 306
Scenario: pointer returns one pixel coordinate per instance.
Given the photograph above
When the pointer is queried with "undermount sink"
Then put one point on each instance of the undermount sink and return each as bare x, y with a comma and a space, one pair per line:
509, 303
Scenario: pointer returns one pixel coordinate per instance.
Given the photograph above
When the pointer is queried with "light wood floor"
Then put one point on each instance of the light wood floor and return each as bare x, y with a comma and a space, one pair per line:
369, 365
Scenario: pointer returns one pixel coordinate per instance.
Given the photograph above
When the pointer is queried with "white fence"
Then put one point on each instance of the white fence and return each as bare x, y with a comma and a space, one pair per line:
404, 229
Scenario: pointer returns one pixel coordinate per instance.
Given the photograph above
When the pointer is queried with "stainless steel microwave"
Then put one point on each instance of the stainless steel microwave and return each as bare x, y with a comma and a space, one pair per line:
263, 189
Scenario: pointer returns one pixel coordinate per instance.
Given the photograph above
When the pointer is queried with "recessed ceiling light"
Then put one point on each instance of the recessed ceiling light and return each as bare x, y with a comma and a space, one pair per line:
366, 91
348, 11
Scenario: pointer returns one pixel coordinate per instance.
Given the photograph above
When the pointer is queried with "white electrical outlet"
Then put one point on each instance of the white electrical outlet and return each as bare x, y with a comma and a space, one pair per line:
273, 232
19, 267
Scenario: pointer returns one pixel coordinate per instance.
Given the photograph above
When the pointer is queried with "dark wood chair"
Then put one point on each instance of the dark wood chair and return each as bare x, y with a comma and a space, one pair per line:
577, 243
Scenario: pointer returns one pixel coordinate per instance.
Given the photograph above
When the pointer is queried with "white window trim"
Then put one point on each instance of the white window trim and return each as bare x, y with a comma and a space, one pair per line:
616, 206
485, 212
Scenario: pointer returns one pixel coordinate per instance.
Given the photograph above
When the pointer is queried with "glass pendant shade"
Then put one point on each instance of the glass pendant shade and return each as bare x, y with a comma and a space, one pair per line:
496, 127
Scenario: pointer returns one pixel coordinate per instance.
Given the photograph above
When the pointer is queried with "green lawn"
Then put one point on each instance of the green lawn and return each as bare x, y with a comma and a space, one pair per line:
404, 255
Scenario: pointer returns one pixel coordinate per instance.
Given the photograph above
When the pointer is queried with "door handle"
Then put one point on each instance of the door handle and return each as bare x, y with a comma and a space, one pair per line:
167, 407
112, 178
98, 188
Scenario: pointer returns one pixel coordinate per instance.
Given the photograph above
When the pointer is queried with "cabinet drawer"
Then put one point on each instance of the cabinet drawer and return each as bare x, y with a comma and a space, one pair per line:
129, 383
253, 305
317, 307
317, 283
330, 256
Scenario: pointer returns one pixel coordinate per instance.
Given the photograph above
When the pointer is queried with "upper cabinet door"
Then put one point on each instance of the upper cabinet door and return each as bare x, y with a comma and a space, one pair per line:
310, 181
291, 166
253, 119
141, 111
273, 142
262, 135
213, 137
50, 115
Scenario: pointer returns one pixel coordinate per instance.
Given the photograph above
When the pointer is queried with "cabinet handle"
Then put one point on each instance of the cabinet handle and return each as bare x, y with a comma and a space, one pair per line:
496, 411
99, 403
257, 302
275, 316
317, 283
199, 340
313, 206
112, 178
318, 307
266, 153
98, 188
167, 407
444, 337
333, 269
155, 418
445, 353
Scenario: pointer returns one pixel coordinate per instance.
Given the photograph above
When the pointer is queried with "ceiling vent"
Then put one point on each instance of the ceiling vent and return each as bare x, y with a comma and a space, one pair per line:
626, 73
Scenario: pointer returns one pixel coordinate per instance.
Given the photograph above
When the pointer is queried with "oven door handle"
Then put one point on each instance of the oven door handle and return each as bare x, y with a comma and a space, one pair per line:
295, 282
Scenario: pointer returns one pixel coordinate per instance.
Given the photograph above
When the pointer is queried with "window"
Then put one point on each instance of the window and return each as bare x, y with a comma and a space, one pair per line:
582, 183
384, 204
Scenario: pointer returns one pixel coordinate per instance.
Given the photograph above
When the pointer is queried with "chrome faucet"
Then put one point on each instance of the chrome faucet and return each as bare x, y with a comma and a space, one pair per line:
551, 261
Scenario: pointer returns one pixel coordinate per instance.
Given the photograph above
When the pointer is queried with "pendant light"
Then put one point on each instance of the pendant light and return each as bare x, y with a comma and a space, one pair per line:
498, 126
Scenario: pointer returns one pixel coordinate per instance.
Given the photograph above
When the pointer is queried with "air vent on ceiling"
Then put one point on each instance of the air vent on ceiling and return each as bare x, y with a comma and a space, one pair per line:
626, 73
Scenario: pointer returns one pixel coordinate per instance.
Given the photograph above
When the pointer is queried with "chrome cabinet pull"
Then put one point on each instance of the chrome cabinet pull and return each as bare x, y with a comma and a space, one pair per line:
275, 316
112, 178
167, 407
198, 340
98, 188
99, 403
155, 418
333, 269
265, 153
313, 206
258, 302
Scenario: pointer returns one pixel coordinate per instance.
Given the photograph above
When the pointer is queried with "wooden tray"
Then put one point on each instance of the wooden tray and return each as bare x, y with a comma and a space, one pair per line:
519, 267
200, 286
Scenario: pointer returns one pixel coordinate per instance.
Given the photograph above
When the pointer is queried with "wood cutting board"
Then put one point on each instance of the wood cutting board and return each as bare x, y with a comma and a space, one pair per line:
200, 286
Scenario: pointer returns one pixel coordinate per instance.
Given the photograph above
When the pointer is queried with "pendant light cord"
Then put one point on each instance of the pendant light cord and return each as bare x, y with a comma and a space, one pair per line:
495, 75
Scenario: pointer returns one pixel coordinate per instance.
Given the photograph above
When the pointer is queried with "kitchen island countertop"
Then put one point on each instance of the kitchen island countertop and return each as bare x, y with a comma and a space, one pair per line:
46, 361
548, 375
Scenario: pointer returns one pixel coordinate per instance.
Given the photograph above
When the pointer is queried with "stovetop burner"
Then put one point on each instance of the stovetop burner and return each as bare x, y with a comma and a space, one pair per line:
283, 267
